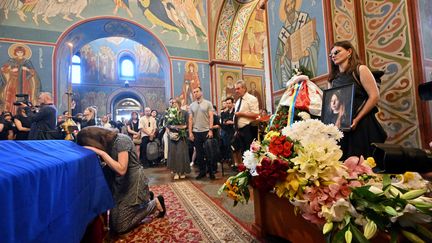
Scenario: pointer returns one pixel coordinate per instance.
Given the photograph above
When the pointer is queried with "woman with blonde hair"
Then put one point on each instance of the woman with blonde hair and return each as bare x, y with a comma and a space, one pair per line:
89, 117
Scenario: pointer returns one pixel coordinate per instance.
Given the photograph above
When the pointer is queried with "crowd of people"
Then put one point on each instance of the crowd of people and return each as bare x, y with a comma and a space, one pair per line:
180, 137
189, 134
199, 136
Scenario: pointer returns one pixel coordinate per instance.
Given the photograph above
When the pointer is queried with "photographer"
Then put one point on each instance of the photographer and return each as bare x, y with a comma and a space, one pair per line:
23, 124
6, 126
43, 122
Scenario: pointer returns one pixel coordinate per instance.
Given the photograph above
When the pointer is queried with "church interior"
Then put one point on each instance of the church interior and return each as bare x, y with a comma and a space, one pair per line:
124, 55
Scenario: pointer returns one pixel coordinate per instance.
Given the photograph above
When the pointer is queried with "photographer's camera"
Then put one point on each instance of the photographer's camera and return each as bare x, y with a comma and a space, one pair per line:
22, 99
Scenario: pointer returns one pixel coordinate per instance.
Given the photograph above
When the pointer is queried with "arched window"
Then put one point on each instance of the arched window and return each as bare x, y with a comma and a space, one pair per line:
127, 68
76, 69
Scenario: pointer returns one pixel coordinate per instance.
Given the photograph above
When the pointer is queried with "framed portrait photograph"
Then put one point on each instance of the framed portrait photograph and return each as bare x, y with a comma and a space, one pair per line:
337, 107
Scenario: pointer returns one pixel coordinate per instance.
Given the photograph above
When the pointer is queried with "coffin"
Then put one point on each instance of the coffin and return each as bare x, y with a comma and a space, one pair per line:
275, 216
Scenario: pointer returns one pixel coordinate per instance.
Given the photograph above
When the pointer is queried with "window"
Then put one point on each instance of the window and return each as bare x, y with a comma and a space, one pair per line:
127, 68
76, 69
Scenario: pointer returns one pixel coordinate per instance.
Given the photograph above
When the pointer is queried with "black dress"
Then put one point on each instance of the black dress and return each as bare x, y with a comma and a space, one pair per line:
357, 142
25, 122
178, 152
87, 123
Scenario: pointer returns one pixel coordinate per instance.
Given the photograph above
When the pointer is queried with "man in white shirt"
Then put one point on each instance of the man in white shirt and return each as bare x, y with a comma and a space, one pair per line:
246, 111
147, 127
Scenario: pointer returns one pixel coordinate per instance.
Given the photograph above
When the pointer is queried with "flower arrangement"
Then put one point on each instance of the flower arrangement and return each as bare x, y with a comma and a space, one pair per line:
346, 199
279, 120
174, 117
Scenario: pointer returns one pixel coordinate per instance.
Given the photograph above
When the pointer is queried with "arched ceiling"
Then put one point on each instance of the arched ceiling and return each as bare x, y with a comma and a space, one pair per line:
91, 29
96, 28
231, 25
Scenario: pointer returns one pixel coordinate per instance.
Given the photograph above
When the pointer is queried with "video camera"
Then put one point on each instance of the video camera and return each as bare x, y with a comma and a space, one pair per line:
425, 91
395, 159
22, 99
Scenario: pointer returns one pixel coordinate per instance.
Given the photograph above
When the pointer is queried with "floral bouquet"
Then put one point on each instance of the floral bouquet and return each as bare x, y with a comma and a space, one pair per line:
346, 199
236, 187
175, 117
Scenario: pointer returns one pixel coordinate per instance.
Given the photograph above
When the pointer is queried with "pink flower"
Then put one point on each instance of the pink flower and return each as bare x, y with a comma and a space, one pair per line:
314, 218
357, 166
255, 147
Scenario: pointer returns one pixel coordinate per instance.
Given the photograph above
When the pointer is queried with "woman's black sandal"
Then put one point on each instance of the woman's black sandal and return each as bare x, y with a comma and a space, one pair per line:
162, 203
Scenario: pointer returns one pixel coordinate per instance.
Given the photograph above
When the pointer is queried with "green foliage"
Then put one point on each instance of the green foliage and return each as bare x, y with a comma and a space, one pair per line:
302, 70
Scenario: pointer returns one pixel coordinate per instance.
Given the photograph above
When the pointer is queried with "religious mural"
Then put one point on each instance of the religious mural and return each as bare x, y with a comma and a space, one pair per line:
154, 98
18, 76
426, 26
179, 16
276, 101
96, 98
344, 23
170, 20
227, 79
101, 96
147, 60
255, 87
123, 5
398, 108
191, 82
297, 39
100, 62
254, 40
188, 75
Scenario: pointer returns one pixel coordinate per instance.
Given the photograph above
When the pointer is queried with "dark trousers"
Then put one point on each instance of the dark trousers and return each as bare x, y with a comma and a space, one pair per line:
226, 137
246, 136
203, 165
143, 151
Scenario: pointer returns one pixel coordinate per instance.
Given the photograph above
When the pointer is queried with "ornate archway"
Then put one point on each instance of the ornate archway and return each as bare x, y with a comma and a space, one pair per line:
88, 30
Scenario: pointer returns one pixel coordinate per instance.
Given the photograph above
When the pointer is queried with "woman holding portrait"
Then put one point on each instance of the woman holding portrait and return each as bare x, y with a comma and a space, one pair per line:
365, 129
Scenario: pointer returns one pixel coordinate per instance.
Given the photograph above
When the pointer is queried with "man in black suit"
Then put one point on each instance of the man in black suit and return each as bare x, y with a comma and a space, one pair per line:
43, 121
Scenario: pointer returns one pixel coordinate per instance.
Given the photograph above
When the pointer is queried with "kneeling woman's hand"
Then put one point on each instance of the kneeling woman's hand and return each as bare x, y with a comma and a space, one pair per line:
96, 150
120, 165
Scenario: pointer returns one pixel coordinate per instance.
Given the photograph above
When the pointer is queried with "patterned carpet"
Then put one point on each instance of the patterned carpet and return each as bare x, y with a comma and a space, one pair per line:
191, 217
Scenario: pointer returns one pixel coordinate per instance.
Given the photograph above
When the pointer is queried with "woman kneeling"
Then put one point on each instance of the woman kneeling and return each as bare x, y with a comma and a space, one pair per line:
125, 177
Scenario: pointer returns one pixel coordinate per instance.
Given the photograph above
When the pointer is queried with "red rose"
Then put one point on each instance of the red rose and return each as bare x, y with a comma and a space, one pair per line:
266, 161
275, 140
272, 150
281, 140
279, 149
241, 167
